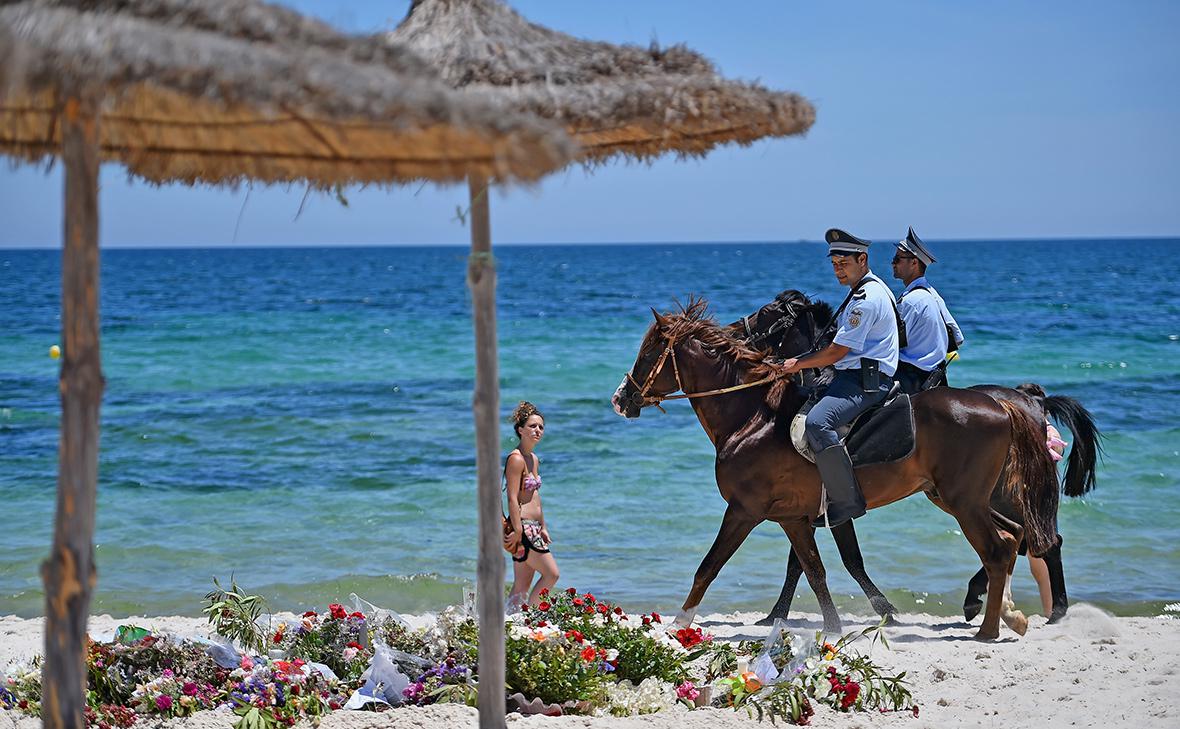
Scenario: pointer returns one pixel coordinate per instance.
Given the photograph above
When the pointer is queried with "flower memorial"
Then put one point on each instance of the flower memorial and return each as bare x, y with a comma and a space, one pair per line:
571, 653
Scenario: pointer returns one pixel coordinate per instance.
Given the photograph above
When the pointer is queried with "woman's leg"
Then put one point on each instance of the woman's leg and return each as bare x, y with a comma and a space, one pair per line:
1040, 573
522, 578
547, 566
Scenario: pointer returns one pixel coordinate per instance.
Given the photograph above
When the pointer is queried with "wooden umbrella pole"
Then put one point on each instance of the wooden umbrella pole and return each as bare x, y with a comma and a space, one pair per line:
481, 279
69, 572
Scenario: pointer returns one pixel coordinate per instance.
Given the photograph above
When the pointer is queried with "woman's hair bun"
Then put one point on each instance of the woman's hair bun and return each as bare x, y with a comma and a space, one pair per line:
524, 410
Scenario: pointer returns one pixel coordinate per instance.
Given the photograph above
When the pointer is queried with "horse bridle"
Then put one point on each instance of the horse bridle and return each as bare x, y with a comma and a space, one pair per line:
642, 398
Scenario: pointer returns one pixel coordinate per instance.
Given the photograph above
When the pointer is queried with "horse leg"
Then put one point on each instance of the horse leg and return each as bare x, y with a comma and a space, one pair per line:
782, 608
997, 551
736, 525
973, 603
802, 537
1056, 582
845, 536
1012, 617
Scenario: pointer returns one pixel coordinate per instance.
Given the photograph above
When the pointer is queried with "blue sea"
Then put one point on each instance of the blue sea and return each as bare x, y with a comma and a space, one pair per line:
300, 418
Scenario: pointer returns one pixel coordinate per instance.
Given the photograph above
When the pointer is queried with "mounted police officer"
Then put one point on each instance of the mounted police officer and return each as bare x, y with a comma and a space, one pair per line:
864, 351
931, 331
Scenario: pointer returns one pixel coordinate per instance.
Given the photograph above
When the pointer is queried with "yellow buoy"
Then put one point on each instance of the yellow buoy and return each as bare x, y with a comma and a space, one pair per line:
54, 352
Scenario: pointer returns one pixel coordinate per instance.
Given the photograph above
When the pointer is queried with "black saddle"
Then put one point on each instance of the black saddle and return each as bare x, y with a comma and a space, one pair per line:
882, 434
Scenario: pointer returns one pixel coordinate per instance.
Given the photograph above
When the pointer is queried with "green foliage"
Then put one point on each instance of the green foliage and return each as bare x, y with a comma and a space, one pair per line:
234, 615
553, 671
640, 655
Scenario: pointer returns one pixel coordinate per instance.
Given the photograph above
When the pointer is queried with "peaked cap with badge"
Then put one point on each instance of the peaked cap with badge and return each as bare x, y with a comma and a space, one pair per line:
843, 243
914, 246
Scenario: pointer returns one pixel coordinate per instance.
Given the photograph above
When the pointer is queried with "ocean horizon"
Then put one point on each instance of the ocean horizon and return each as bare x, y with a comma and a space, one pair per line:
300, 417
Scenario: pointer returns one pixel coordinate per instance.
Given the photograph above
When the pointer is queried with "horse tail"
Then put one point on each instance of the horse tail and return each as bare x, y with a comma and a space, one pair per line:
1031, 479
1087, 444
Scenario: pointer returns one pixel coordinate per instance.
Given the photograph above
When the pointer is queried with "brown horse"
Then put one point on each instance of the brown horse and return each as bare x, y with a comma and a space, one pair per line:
964, 440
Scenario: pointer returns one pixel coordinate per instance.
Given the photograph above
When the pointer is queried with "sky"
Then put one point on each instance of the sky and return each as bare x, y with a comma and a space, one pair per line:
965, 120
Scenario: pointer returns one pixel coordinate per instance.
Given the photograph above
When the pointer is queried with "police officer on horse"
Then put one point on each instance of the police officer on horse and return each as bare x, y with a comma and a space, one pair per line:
864, 352
931, 331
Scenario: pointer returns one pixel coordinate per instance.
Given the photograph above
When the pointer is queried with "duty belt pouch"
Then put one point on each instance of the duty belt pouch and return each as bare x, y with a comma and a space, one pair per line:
870, 375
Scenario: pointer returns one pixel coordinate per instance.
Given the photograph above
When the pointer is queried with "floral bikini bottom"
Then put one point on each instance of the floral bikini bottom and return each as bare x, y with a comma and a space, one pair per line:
531, 540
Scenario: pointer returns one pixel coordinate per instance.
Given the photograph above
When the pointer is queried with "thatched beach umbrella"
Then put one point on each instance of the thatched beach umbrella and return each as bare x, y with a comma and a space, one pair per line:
218, 91
614, 100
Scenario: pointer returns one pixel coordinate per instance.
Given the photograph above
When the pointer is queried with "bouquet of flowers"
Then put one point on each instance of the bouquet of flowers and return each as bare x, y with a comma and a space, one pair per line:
338, 639
278, 693
448, 682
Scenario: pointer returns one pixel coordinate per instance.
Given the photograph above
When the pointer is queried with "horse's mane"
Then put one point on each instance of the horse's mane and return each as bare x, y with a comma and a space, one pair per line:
693, 320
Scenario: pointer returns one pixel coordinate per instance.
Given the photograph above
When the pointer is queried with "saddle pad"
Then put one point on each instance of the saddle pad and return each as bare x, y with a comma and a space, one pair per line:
882, 435
887, 435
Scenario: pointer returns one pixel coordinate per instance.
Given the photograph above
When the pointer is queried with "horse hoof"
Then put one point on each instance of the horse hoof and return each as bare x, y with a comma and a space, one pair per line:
769, 619
685, 618
1056, 616
883, 607
982, 635
1017, 622
971, 610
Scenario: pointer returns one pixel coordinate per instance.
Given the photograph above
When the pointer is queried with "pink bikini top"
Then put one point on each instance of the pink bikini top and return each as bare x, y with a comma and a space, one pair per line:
531, 482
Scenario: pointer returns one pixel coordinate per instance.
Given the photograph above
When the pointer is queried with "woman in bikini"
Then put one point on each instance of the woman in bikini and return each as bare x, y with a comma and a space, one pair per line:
522, 476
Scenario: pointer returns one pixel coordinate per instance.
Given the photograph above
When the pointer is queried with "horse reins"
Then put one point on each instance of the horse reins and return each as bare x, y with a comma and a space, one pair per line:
643, 398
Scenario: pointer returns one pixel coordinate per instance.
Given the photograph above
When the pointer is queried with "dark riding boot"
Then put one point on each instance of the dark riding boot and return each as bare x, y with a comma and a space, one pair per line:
844, 498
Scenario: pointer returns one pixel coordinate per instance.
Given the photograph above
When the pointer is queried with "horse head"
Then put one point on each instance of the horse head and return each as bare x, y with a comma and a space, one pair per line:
653, 376
717, 356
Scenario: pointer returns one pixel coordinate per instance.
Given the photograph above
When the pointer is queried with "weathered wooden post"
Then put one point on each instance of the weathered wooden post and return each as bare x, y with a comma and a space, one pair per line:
69, 573
481, 279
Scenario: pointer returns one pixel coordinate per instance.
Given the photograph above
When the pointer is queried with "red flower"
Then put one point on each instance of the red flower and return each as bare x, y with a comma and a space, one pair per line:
358, 614
571, 591
278, 637
354, 644
690, 637
544, 591
310, 614
589, 653
646, 620
588, 610
655, 617
578, 602
337, 611
915, 711
541, 623
575, 636
603, 609
544, 606
588, 598
618, 611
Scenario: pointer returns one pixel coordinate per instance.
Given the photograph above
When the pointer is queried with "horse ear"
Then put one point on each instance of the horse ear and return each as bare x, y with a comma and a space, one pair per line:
661, 320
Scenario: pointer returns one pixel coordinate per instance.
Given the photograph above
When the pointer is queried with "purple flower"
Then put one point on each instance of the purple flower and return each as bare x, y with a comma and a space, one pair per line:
190, 688
163, 702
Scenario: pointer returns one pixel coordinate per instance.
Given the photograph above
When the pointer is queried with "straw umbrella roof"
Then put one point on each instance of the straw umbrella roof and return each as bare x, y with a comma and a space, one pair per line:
222, 91
614, 99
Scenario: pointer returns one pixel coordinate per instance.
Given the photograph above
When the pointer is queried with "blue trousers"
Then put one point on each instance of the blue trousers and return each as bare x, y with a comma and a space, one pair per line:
844, 400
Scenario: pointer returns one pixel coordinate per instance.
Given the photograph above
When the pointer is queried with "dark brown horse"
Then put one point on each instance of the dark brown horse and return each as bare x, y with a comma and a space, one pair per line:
964, 441
792, 324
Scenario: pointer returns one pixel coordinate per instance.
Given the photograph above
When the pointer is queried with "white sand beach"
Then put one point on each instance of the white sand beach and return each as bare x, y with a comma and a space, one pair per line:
1091, 670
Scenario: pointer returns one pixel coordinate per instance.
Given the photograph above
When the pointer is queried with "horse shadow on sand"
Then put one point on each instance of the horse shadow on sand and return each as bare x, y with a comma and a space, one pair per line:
945, 631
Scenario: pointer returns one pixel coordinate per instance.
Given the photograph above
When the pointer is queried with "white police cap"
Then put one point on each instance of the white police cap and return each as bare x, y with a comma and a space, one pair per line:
914, 246
842, 243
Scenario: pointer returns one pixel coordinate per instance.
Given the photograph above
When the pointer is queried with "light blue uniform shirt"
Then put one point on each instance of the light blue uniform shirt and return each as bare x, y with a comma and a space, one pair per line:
926, 319
868, 328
